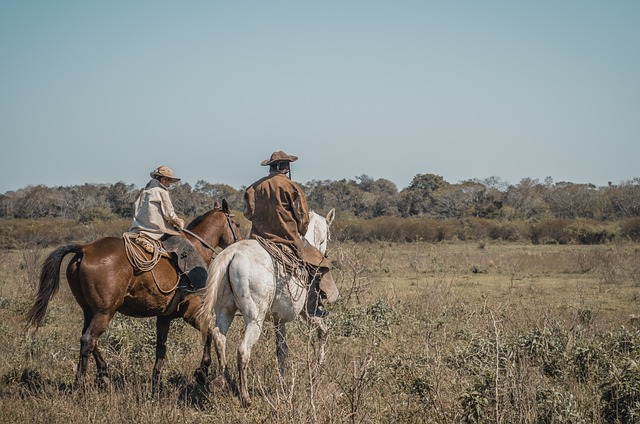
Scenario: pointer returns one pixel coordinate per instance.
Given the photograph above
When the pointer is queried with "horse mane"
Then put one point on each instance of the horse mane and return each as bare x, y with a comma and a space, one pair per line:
198, 219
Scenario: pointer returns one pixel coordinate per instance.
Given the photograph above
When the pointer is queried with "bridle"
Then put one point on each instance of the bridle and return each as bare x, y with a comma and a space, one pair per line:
231, 225
207, 245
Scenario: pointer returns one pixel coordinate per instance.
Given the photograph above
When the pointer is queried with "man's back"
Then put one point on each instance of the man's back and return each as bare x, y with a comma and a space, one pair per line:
278, 210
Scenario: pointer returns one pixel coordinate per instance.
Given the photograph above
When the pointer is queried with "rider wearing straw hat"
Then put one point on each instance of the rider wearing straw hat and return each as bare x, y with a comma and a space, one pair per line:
156, 219
278, 211
154, 213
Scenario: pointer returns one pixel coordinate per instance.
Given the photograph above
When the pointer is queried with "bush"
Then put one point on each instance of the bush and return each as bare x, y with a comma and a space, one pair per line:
631, 229
585, 232
550, 231
621, 393
96, 215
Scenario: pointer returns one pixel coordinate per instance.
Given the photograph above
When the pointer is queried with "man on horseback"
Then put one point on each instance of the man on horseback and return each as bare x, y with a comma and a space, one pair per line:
278, 211
158, 225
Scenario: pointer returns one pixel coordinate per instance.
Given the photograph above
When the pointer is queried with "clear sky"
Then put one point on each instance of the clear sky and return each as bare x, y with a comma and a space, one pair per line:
105, 91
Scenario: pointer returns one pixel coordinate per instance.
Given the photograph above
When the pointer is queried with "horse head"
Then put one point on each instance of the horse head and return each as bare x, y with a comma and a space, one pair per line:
218, 227
233, 235
318, 233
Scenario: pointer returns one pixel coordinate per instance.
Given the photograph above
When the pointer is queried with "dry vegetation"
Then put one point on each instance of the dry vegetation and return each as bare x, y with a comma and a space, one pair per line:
443, 333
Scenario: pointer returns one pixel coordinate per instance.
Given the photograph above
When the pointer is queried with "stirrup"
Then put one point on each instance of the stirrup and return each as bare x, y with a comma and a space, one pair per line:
320, 312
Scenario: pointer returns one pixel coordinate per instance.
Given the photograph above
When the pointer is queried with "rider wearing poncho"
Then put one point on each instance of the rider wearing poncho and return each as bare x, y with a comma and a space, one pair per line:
278, 211
156, 219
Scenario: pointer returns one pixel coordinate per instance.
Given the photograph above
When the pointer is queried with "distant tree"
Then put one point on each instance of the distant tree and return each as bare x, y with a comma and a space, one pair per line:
418, 198
489, 199
38, 202
365, 197
527, 198
8, 202
319, 195
493, 183
182, 199
386, 198
622, 201
121, 197
569, 200
217, 192
342, 194
89, 196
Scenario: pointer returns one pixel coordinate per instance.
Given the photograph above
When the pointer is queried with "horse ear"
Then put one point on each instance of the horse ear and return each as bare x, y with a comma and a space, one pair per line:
225, 206
216, 205
331, 216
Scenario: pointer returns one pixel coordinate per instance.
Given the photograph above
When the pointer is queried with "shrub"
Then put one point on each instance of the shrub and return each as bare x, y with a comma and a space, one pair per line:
96, 215
631, 229
550, 231
586, 232
621, 394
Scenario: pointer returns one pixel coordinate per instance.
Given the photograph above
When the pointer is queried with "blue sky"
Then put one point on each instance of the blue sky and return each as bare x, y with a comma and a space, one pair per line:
101, 92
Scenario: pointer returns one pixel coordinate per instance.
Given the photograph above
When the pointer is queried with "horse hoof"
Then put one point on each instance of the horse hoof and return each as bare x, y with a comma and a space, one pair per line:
245, 402
103, 382
220, 382
201, 378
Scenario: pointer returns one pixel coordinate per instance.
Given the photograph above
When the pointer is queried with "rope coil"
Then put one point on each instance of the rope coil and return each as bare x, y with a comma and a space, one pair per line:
285, 261
137, 254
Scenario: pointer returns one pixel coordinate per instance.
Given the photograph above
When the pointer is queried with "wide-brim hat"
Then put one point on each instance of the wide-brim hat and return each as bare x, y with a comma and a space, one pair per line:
163, 171
279, 156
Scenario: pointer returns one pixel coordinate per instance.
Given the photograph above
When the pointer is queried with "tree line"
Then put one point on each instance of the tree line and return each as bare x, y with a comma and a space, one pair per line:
428, 195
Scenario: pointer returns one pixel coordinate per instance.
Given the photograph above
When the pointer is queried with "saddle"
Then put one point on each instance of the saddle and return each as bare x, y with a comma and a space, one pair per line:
284, 258
150, 245
312, 264
191, 268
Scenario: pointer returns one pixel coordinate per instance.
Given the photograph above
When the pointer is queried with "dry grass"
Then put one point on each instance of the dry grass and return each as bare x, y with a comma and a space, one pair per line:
443, 333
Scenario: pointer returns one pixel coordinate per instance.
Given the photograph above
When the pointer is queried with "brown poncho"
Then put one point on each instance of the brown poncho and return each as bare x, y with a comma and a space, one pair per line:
278, 210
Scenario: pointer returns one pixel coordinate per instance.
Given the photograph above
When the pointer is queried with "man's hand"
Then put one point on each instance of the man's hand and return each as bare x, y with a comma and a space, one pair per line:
179, 224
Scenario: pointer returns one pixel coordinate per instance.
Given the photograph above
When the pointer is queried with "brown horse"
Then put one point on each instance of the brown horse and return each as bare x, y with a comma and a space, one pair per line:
104, 282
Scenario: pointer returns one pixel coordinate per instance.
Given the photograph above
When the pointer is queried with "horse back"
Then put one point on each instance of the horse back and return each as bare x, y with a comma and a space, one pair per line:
102, 278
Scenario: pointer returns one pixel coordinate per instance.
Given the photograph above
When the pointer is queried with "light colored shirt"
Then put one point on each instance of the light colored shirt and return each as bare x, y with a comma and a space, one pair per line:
154, 214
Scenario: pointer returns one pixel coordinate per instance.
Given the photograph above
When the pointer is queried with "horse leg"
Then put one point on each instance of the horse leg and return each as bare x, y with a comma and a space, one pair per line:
101, 366
94, 326
282, 350
191, 317
82, 363
323, 334
251, 334
224, 318
202, 372
162, 333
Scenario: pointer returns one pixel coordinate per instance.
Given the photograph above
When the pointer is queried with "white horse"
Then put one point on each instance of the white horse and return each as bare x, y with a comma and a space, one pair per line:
242, 278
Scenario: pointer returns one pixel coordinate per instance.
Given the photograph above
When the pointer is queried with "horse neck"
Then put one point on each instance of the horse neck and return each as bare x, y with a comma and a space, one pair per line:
310, 235
210, 229
316, 225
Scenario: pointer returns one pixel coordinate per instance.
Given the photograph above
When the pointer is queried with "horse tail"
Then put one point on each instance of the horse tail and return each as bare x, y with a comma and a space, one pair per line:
218, 272
49, 283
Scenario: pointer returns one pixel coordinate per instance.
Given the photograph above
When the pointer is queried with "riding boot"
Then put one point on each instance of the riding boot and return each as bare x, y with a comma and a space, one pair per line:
315, 308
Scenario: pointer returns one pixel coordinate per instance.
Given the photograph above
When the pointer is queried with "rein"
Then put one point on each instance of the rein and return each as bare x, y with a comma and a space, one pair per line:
200, 239
207, 245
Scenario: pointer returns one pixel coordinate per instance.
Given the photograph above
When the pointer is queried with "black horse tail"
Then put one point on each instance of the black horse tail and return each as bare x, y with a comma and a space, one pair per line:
49, 283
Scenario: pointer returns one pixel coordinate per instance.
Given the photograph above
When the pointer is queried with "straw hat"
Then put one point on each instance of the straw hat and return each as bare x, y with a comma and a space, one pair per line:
163, 171
279, 156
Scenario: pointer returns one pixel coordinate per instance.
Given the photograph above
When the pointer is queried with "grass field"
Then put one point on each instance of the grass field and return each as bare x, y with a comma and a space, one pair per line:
442, 333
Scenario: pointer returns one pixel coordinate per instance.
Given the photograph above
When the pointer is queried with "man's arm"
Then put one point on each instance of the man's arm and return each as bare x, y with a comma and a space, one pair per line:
249, 203
300, 211
168, 211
